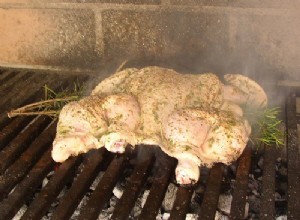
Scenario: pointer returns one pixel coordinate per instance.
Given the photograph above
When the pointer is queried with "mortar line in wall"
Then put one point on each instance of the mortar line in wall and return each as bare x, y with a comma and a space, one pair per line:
180, 8
233, 27
99, 44
48, 67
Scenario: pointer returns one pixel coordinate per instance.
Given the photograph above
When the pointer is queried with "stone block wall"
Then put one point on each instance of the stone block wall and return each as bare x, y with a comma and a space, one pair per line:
254, 37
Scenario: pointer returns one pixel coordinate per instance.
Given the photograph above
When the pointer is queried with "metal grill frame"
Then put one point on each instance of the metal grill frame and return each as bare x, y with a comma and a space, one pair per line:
25, 160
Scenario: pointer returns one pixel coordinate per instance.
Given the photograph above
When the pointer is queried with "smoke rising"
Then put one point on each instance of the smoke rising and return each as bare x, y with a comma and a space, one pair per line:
262, 43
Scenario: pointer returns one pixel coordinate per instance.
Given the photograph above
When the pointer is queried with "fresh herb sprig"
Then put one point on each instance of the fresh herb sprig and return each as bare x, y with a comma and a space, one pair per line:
266, 124
52, 103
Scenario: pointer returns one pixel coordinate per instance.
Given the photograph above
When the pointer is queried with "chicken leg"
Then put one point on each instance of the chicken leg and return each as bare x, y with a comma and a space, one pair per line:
202, 137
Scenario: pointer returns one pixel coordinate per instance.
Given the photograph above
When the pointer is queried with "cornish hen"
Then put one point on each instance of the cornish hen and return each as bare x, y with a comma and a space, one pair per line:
194, 118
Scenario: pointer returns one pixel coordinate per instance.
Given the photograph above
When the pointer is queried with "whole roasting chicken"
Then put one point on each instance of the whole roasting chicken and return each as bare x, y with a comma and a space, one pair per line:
193, 117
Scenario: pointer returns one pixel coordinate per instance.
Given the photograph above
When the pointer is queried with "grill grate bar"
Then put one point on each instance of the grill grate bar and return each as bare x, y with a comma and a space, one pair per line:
11, 83
10, 131
237, 210
27, 173
23, 191
102, 193
13, 150
4, 120
135, 184
181, 203
159, 187
211, 196
33, 95
21, 88
80, 186
35, 92
267, 210
3, 75
41, 204
6, 76
293, 156
26, 89
19, 169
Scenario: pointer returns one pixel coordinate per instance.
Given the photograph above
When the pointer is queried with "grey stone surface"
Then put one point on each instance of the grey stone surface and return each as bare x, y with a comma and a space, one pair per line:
259, 42
137, 2
263, 44
266, 43
264, 4
53, 37
188, 40
150, 2
200, 2
240, 3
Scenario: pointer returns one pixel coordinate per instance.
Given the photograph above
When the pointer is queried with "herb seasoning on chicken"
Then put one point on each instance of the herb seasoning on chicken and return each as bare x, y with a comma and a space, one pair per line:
192, 117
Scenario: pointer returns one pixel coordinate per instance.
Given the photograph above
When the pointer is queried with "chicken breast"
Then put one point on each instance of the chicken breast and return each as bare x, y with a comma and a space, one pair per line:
160, 91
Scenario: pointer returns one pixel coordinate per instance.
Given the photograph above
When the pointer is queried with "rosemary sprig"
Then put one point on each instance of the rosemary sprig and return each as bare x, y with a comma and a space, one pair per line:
265, 124
53, 102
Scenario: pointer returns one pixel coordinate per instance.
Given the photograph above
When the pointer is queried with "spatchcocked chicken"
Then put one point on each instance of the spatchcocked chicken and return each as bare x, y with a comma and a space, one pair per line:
195, 118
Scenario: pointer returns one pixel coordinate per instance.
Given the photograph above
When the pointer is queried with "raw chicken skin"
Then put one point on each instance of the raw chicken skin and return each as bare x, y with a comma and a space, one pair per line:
208, 136
160, 91
96, 121
192, 117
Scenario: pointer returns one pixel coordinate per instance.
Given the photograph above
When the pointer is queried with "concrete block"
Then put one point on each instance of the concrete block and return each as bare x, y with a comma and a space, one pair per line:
194, 40
200, 2
266, 44
264, 4
137, 2
48, 37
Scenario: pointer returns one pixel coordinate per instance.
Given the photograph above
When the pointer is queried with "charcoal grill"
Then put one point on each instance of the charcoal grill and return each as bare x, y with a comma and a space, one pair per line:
25, 160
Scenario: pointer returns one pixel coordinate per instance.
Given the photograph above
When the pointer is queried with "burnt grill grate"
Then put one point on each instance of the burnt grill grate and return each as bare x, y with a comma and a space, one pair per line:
25, 161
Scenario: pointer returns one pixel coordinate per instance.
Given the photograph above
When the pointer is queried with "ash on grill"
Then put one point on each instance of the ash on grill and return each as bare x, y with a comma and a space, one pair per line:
140, 183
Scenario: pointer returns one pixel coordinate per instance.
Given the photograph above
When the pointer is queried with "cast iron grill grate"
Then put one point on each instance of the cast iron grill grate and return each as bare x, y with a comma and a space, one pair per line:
25, 161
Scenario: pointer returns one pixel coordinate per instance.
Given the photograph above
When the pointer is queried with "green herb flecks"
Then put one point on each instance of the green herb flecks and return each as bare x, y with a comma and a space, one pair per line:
266, 124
